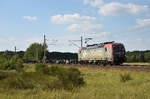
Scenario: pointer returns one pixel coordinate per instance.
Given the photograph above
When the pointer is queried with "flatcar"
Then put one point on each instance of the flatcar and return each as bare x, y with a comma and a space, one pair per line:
102, 53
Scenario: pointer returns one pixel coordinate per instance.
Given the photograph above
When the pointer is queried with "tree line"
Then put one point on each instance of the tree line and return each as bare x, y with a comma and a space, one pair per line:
138, 56
35, 53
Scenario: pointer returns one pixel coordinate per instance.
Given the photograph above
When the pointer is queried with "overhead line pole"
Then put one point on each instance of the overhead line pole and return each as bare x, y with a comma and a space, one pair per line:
81, 42
44, 45
37, 58
15, 50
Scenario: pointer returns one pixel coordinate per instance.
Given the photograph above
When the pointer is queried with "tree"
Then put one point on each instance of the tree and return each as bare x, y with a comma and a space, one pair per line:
34, 52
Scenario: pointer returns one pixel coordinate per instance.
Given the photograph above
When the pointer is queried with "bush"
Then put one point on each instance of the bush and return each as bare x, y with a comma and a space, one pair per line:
45, 78
13, 62
70, 77
52, 83
40, 66
19, 65
8, 64
125, 77
19, 81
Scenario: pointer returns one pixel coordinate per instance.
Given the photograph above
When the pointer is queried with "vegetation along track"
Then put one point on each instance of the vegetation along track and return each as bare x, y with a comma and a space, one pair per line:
114, 67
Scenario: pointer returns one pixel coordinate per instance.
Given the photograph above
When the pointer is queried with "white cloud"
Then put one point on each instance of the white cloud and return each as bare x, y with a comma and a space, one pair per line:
143, 23
77, 23
72, 18
30, 18
85, 27
94, 3
116, 8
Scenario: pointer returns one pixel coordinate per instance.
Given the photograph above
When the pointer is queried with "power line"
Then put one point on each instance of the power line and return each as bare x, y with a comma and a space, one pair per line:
73, 42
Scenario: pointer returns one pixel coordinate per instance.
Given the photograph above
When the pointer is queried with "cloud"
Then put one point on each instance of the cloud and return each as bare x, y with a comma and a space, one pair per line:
143, 23
30, 18
72, 18
116, 8
77, 23
85, 27
94, 3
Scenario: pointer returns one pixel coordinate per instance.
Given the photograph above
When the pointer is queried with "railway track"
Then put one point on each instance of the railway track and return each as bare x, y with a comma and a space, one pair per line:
114, 67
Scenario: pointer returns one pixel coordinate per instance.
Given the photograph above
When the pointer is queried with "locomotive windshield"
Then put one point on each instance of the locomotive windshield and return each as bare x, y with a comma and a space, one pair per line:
117, 48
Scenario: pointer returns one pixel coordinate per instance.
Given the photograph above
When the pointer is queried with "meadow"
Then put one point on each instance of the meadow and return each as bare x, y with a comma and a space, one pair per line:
138, 63
99, 84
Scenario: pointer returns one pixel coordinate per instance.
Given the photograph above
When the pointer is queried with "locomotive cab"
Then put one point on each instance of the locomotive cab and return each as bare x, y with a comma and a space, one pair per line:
118, 53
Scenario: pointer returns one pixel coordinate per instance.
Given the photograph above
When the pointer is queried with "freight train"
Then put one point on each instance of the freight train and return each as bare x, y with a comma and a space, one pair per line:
103, 53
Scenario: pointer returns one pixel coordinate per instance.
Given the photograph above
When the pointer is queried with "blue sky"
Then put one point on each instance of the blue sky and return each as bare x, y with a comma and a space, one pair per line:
23, 22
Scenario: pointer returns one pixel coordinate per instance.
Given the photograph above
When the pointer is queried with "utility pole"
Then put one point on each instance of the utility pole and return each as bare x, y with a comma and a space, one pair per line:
73, 42
37, 54
15, 50
81, 42
44, 45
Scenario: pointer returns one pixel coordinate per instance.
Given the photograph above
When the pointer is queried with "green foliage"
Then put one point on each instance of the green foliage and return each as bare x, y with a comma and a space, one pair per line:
18, 82
60, 78
4, 62
34, 52
19, 65
125, 77
8, 54
13, 61
70, 77
138, 56
9, 64
40, 66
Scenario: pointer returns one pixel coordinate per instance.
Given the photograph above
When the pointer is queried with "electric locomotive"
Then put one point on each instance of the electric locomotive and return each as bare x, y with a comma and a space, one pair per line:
102, 53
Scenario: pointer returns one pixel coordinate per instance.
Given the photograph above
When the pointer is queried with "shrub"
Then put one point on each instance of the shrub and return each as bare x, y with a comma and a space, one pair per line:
125, 77
13, 62
45, 77
40, 66
19, 65
52, 83
19, 81
8, 64
76, 77
70, 77
4, 63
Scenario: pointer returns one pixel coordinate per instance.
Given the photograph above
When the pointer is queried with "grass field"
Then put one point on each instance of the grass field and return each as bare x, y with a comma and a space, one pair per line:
100, 84
138, 63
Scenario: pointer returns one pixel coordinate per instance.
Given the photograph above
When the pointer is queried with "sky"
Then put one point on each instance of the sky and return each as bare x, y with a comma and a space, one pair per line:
23, 22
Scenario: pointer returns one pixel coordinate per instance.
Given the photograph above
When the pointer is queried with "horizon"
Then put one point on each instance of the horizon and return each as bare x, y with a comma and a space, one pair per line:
25, 22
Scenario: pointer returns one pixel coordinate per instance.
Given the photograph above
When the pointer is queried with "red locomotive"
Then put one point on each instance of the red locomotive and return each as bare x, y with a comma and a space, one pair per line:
103, 53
